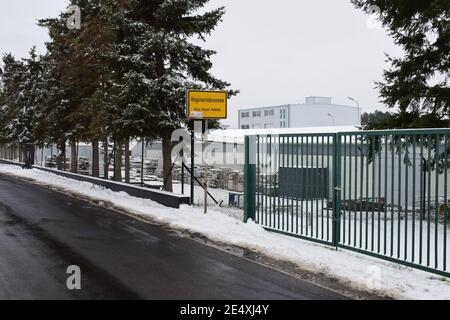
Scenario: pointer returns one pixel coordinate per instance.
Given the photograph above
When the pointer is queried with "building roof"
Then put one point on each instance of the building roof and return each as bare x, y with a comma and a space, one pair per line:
309, 101
238, 135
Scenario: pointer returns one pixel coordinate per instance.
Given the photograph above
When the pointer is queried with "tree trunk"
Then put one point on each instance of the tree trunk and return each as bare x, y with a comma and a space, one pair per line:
73, 157
118, 161
20, 153
127, 161
95, 159
61, 158
64, 155
105, 159
167, 162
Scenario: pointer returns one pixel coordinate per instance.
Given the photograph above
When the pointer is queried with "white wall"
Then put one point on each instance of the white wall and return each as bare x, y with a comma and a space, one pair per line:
315, 112
316, 115
263, 122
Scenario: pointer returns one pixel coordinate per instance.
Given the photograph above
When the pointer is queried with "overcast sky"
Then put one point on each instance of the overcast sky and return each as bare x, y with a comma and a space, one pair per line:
275, 52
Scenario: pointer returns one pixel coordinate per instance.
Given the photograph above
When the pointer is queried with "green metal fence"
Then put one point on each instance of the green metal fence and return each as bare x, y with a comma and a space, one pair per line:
381, 193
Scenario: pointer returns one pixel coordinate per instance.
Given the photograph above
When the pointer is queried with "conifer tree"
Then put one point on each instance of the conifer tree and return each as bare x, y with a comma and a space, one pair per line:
76, 71
416, 84
157, 62
22, 97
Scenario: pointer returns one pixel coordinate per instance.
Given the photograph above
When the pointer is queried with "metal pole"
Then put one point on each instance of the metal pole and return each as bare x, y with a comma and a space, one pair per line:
205, 142
192, 162
425, 169
200, 184
182, 169
359, 108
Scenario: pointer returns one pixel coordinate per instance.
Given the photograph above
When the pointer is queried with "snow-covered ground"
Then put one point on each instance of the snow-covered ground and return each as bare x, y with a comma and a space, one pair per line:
221, 196
360, 271
406, 238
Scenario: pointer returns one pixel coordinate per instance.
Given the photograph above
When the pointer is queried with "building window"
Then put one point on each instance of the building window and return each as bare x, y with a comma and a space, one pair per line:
245, 115
268, 125
268, 113
256, 114
283, 114
245, 126
283, 124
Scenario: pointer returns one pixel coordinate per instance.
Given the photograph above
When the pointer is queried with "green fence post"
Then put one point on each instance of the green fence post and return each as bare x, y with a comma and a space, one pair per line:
337, 189
249, 179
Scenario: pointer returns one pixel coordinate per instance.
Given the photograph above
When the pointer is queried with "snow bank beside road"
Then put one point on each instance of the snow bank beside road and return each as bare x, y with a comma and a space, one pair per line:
358, 270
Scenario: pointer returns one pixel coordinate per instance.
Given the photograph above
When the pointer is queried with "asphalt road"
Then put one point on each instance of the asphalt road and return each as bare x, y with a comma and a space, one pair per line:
42, 232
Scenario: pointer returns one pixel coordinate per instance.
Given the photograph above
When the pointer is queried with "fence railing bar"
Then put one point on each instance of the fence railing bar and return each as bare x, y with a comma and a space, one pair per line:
296, 180
373, 195
361, 196
446, 202
422, 198
392, 148
405, 245
436, 204
366, 244
380, 148
330, 173
279, 184
316, 187
374, 180
386, 147
351, 199
429, 203
413, 241
399, 196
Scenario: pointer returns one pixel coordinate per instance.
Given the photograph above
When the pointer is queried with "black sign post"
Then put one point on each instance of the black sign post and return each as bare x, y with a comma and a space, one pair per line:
29, 155
192, 163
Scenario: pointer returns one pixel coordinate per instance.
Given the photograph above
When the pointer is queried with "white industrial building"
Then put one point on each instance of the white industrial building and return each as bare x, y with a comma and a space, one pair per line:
315, 112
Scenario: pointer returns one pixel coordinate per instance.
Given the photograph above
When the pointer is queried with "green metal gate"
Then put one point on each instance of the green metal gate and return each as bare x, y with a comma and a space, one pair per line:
381, 193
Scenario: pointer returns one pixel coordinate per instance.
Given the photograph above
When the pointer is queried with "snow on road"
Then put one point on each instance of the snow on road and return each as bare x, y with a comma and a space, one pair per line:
360, 271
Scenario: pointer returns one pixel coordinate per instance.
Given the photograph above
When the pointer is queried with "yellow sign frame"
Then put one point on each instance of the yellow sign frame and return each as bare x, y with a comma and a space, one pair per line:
212, 105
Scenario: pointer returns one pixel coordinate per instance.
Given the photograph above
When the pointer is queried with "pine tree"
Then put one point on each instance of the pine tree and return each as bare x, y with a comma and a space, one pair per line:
417, 84
76, 74
11, 80
29, 99
22, 97
94, 37
123, 75
3, 111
